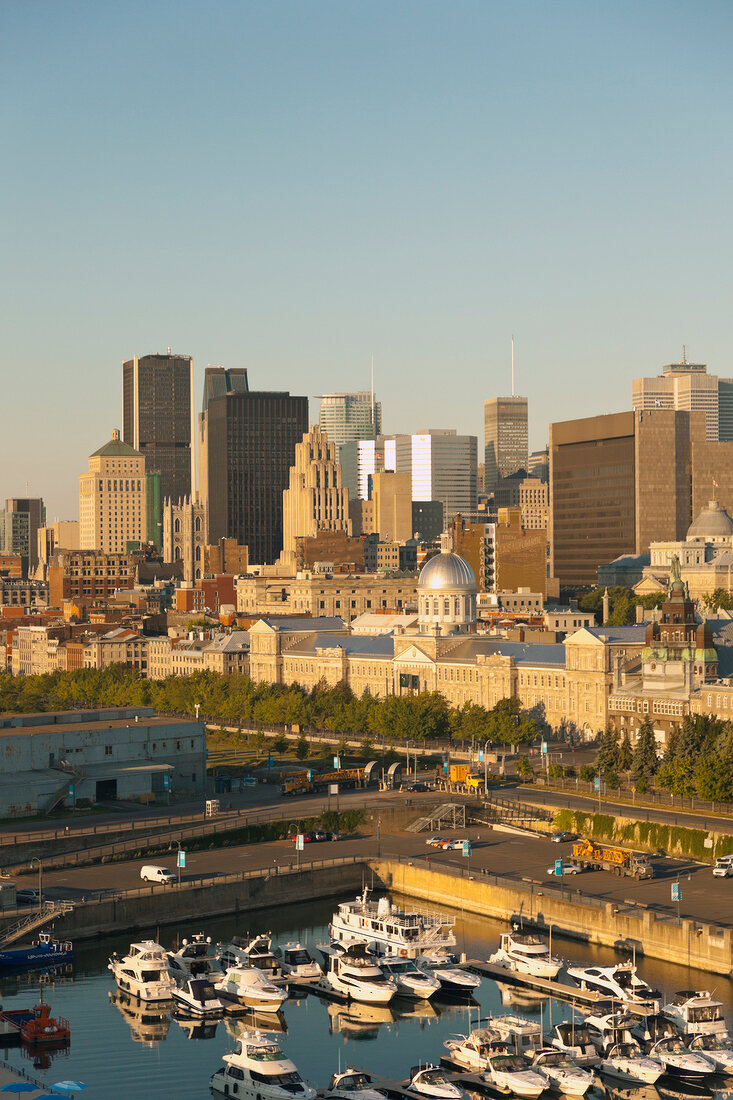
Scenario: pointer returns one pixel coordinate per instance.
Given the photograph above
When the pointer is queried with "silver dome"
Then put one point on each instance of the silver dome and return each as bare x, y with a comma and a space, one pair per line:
449, 571
712, 523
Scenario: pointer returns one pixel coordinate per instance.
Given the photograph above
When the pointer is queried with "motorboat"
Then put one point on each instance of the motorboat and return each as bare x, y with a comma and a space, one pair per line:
521, 1036
252, 951
433, 1082
410, 980
41, 1029
472, 1051
258, 1068
718, 1048
197, 997
696, 1012
563, 1074
148, 1023
251, 987
626, 1062
352, 1084
606, 1029
44, 952
194, 958
509, 1072
620, 982
297, 963
649, 1029
679, 1061
526, 954
354, 971
453, 981
573, 1038
143, 972
390, 930
358, 1021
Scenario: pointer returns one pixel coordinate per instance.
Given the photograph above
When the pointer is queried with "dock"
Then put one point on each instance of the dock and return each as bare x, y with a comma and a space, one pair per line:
571, 993
398, 1090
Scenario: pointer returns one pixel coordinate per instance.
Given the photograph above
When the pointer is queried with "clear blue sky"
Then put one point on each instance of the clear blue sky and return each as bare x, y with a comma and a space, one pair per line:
293, 186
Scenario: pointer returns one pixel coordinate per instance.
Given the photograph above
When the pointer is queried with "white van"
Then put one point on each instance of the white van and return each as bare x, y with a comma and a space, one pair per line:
723, 867
153, 872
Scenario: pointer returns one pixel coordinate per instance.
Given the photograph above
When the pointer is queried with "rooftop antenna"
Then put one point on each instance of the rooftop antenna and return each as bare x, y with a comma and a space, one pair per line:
512, 364
374, 418
684, 353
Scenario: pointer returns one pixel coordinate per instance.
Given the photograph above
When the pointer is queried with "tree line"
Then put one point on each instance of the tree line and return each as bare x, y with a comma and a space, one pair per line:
237, 700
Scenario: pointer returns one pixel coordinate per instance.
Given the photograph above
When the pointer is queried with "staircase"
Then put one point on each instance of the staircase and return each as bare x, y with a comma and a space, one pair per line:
49, 911
73, 774
451, 815
508, 811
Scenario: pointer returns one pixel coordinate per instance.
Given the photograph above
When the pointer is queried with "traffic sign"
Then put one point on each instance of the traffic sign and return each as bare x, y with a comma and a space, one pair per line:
466, 847
299, 842
676, 892
558, 866
597, 782
544, 748
336, 763
181, 858
480, 756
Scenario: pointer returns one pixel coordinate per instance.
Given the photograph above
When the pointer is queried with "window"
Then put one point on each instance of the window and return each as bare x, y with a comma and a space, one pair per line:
107, 750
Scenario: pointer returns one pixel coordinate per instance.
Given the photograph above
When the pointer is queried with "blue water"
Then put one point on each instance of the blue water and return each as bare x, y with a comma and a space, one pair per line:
115, 1066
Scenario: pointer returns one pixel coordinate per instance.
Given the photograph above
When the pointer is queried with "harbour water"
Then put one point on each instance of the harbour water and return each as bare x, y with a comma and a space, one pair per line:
121, 1049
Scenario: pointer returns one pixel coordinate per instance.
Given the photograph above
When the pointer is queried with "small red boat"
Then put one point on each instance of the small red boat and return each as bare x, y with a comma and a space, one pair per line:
42, 1028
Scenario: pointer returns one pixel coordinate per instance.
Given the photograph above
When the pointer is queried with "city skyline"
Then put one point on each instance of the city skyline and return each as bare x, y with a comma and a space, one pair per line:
415, 183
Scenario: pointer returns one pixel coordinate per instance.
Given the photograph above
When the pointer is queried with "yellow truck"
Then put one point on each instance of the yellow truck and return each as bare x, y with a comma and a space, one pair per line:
462, 774
609, 857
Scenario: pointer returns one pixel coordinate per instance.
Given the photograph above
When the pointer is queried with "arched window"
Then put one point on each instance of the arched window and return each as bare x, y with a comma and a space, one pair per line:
198, 553
177, 526
198, 523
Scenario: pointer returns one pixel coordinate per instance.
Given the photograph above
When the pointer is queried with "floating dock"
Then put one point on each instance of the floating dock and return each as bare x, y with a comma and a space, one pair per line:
550, 988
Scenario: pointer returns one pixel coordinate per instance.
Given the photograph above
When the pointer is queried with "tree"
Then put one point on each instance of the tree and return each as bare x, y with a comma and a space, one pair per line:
524, 768
645, 761
280, 744
301, 747
625, 754
608, 751
587, 773
366, 749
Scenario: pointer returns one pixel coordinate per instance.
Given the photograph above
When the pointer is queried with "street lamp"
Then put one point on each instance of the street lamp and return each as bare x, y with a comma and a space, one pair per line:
379, 838
178, 859
40, 880
407, 754
486, 767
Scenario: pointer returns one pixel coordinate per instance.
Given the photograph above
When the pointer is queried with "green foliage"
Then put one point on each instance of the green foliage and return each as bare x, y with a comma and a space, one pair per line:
645, 761
555, 771
625, 754
524, 768
570, 771
611, 780
366, 749
280, 744
587, 773
719, 598
608, 751
301, 747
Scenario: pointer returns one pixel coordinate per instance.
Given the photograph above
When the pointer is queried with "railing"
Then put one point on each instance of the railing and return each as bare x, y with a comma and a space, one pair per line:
48, 912
652, 800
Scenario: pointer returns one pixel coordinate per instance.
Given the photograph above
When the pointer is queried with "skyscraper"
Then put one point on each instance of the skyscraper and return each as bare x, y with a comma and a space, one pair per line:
247, 443
157, 418
443, 466
315, 499
689, 386
20, 521
346, 417
506, 446
112, 498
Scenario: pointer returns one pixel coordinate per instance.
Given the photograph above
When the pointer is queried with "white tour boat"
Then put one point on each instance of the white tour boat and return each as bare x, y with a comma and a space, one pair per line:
249, 986
355, 972
573, 1038
619, 982
251, 951
696, 1012
510, 1073
432, 1081
472, 1051
526, 953
678, 1061
406, 933
259, 1070
143, 972
352, 1084
563, 1074
297, 963
453, 981
718, 1048
194, 958
625, 1062
409, 979
197, 997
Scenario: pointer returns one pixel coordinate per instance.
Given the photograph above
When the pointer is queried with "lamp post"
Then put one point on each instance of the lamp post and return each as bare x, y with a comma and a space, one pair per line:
486, 767
40, 880
407, 754
178, 859
379, 838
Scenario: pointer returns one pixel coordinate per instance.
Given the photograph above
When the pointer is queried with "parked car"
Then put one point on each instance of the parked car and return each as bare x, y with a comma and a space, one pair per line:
568, 868
27, 897
153, 872
723, 867
413, 785
454, 845
335, 836
435, 841
563, 837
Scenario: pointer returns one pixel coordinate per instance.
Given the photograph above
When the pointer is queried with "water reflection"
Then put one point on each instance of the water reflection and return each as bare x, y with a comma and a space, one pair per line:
148, 1022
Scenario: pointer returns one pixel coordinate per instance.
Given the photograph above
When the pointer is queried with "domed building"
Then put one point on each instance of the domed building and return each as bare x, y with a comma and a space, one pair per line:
713, 525
705, 556
446, 595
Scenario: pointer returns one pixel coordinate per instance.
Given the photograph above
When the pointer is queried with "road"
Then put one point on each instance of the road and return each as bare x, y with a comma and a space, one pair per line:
704, 898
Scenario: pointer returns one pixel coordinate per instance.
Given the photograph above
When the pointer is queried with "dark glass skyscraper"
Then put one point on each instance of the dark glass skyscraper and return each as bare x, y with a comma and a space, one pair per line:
247, 443
157, 418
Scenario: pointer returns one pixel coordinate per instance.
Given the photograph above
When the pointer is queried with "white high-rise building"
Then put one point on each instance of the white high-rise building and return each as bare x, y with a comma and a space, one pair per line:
362, 459
444, 467
689, 386
346, 417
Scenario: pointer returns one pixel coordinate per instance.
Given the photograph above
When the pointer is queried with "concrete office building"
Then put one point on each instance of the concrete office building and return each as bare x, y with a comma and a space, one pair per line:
112, 498
688, 386
315, 500
443, 466
20, 521
247, 445
158, 419
663, 457
61, 534
506, 446
363, 458
534, 503
348, 417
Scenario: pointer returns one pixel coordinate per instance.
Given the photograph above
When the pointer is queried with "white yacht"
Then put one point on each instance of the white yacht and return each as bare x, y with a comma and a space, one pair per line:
143, 972
433, 1082
197, 997
718, 1048
510, 1073
406, 933
352, 1084
574, 1039
297, 963
194, 958
562, 1072
526, 954
251, 951
249, 986
259, 1070
620, 982
472, 1051
696, 1012
625, 1062
609, 1028
649, 1029
520, 1035
453, 981
678, 1061
353, 971
410, 980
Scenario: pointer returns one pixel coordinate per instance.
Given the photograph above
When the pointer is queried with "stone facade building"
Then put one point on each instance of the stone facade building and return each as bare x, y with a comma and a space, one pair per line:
312, 593
112, 498
185, 535
315, 499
